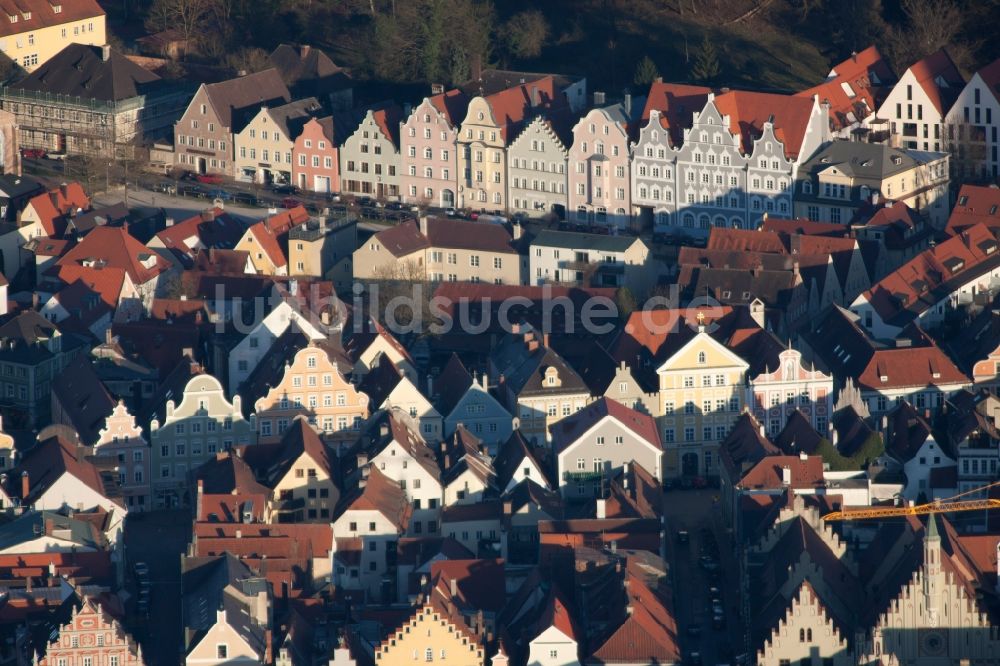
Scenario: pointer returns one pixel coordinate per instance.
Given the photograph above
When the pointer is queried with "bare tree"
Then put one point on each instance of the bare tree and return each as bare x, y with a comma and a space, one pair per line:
189, 17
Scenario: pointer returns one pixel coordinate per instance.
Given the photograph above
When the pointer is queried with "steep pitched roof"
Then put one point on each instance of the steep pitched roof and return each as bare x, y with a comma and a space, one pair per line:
403, 239
84, 399
453, 104
291, 117
53, 206
511, 455
939, 78
975, 204
570, 429
113, 247
676, 104
854, 88
302, 63
382, 494
745, 446
232, 98
79, 70
47, 462
748, 111
907, 292
212, 229
514, 106
300, 439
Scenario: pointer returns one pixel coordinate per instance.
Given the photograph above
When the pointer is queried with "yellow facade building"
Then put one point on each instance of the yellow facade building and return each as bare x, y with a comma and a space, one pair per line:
35, 30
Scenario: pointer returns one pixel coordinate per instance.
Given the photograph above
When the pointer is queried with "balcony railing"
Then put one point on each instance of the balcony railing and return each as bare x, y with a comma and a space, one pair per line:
583, 475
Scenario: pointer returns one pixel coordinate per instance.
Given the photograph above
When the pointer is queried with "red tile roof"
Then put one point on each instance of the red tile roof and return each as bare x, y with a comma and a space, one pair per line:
929, 73
452, 104
479, 584
487, 237
382, 494
748, 111
910, 367
48, 462
113, 247
566, 431
929, 277
649, 633
387, 119
676, 103
43, 14
976, 204
53, 206
807, 472
854, 87
513, 106
213, 228
803, 226
990, 75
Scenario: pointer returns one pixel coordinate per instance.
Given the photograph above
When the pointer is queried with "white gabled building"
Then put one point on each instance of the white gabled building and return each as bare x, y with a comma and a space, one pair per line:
972, 126
735, 162
918, 104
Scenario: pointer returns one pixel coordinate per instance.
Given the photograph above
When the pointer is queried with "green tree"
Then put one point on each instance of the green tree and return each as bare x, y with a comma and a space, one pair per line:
525, 33
645, 72
706, 68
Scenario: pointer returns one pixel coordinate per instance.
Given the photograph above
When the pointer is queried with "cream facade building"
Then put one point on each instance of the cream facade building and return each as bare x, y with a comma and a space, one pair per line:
430, 636
191, 430
264, 146
312, 385
35, 30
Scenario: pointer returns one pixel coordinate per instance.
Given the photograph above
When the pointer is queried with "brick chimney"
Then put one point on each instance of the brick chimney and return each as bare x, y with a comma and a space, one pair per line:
25, 485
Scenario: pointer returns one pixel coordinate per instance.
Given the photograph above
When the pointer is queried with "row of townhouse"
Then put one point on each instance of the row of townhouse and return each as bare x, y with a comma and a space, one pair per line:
683, 158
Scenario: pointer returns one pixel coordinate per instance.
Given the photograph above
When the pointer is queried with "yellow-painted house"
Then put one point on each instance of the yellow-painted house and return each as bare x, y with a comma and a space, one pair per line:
32, 31
430, 636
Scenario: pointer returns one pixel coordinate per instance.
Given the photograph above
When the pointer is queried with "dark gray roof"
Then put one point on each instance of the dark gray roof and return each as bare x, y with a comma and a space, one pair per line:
304, 63
580, 241
35, 524
292, 116
13, 186
84, 399
79, 70
233, 98
204, 583
866, 161
523, 368
492, 81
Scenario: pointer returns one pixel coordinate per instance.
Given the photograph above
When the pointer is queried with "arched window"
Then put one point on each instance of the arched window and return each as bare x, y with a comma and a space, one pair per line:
688, 220
703, 221
802, 638
809, 635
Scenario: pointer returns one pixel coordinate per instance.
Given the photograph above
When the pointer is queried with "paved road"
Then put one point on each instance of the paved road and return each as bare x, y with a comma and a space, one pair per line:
159, 538
694, 511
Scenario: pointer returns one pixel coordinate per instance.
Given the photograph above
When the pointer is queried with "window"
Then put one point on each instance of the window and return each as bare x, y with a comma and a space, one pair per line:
222, 651
429, 654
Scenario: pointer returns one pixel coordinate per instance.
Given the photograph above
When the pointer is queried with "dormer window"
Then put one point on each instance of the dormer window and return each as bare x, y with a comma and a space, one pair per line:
57, 9
26, 15
13, 18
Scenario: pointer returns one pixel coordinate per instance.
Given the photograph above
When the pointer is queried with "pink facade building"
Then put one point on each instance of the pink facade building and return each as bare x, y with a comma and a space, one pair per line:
599, 185
428, 152
314, 157
791, 386
92, 637
121, 439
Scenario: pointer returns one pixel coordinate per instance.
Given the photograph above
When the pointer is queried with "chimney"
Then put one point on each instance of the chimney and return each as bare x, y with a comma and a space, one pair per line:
599, 98
430, 386
384, 430
477, 67
305, 50
602, 509
106, 52
803, 456
239, 534
437, 88
107, 335
786, 476
628, 105
535, 98
423, 225
454, 587
170, 222
25, 485
545, 340
508, 507
517, 230
198, 499
268, 657
34, 301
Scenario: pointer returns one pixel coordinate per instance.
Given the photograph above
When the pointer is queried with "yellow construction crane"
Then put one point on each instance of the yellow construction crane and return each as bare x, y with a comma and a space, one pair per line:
947, 505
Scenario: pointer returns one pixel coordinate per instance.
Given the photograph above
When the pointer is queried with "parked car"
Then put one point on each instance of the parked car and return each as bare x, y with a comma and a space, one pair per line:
245, 198
718, 622
683, 536
284, 188
290, 202
694, 659
33, 153
141, 569
220, 194
165, 187
209, 178
451, 212
191, 191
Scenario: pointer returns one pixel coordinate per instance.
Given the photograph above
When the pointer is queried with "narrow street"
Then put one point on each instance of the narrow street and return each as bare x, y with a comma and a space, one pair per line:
695, 512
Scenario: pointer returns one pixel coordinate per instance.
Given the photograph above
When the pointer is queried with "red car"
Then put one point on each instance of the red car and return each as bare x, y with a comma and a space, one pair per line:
209, 179
33, 153
289, 202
